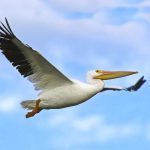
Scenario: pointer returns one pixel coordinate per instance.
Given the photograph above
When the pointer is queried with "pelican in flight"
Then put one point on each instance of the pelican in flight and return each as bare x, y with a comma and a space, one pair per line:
56, 90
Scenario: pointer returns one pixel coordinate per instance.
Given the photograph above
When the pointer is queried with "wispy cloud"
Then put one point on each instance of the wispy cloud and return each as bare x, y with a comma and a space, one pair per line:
90, 128
87, 6
82, 6
8, 104
76, 130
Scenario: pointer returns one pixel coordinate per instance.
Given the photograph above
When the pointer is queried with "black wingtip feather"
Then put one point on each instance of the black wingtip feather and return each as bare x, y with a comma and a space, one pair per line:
9, 26
6, 31
11, 50
137, 85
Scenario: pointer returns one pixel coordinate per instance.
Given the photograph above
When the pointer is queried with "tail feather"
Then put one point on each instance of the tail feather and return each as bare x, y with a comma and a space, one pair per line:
28, 104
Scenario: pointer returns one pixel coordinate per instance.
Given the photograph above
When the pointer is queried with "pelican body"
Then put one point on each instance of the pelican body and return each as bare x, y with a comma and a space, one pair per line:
56, 90
68, 95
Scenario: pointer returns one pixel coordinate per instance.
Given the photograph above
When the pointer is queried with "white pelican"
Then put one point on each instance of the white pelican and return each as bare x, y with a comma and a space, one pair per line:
56, 90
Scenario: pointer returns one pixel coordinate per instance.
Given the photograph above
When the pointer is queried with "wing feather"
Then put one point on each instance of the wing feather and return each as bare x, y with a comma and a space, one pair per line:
29, 62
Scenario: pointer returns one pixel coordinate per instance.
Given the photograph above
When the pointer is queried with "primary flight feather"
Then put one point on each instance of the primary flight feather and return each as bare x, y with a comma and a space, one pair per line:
56, 90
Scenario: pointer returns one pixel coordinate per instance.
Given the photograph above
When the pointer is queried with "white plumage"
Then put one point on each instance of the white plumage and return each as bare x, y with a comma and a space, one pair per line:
56, 90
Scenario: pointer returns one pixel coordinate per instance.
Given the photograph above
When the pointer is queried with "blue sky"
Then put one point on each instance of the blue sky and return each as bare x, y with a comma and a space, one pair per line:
77, 36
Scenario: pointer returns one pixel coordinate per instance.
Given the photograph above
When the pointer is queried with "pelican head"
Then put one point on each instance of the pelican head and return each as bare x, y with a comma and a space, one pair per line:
107, 75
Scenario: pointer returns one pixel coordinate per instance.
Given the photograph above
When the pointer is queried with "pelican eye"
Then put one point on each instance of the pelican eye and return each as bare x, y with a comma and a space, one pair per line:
97, 71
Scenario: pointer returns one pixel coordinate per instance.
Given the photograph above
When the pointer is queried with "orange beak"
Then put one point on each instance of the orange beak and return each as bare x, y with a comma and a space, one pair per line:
107, 75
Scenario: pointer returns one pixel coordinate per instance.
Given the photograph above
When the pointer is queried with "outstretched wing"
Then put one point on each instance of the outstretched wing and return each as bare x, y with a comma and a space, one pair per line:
132, 88
29, 62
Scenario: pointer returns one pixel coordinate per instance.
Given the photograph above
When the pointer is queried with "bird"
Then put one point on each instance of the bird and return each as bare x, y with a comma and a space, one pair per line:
56, 90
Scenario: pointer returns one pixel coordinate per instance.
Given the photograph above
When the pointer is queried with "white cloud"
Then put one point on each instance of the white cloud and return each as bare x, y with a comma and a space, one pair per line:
144, 16
8, 104
77, 130
82, 6
145, 3
90, 29
92, 128
88, 6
